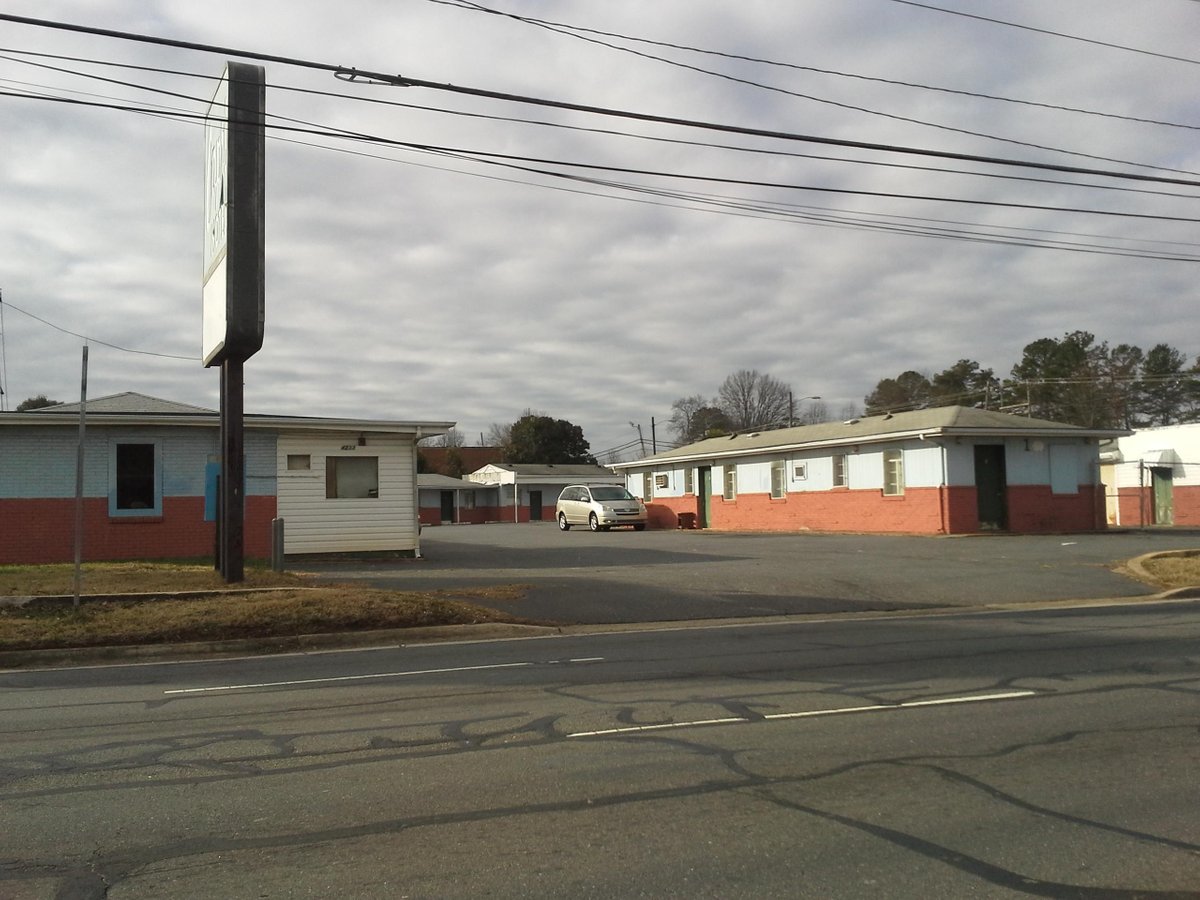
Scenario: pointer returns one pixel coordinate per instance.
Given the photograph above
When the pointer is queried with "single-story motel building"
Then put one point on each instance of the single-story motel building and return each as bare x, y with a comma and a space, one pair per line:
504, 492
1153, 477
945, 470
351, 485
149, 482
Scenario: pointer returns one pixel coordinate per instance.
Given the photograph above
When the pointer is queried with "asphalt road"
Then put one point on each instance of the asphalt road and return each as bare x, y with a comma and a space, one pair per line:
1047, 753
628, 576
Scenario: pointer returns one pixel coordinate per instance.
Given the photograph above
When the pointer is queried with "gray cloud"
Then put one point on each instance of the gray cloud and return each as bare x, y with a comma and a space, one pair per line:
403, 284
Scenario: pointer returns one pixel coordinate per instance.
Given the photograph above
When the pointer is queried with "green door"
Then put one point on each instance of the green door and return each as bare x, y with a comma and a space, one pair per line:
991, 487
704, 497
1164, 495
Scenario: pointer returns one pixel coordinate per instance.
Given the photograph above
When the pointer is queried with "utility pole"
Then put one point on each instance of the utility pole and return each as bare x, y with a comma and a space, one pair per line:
79, 477
641, 440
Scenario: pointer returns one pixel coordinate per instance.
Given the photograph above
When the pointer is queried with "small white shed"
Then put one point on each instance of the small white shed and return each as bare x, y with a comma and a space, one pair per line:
527, 490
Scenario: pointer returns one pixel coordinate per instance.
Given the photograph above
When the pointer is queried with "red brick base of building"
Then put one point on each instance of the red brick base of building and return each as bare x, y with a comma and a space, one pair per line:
1137, 506
43, 531
942, 510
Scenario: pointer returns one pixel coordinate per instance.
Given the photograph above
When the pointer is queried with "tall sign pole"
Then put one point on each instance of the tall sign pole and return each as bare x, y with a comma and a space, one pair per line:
234, 282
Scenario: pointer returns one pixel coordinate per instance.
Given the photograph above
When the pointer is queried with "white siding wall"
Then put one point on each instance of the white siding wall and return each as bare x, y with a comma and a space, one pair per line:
1065, 464
314, 524
864, 471
1147, 444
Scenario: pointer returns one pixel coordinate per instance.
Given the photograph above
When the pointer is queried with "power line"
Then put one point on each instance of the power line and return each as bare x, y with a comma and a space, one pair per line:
558, 125
753, 209
355, 75
3, 359
518, 162
1059, 34
722, 205
466, 4
569, 31
93, 340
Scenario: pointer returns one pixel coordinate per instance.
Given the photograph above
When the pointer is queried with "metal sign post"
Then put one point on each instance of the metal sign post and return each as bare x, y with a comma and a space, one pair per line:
234, 244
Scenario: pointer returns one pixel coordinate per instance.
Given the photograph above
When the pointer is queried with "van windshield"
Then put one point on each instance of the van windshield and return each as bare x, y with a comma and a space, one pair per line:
611, 493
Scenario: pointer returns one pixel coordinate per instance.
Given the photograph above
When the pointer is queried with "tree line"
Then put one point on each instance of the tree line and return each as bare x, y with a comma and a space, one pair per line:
532, 438
1074, 379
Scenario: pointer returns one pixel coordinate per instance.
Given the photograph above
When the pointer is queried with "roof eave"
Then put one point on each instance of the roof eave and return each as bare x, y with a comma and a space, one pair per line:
251, 421
939, 432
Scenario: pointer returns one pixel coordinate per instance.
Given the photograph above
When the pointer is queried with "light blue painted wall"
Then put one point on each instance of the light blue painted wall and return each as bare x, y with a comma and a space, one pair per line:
39, 462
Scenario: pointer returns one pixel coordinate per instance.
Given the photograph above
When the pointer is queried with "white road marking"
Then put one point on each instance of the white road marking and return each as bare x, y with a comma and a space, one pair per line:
635, 728
944, 701
343, 678
811, 714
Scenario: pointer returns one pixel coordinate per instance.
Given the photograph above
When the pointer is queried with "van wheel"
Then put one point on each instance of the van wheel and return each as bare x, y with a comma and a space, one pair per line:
563, 524
593, 522
639, 527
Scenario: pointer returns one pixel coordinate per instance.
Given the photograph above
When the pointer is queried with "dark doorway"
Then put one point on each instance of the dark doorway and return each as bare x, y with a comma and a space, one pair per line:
1164, 495
448, 506
991, 487
535, 506
704, 497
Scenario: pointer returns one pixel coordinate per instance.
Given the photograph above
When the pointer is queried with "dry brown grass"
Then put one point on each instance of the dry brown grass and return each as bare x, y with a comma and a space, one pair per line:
1175, 571
131, 578
289, 608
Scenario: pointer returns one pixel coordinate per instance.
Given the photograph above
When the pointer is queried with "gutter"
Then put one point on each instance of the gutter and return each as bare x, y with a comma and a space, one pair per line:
252, 420
849, 440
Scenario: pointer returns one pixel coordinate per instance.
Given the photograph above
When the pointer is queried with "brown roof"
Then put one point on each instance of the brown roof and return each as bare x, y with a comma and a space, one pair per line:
938, 421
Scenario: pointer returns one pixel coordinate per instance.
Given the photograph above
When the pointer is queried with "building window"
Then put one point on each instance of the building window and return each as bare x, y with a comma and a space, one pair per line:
135, 470
350, 477
893, 473
730, 483
647, 485
661, 481
778, 479
1064, 471
689, 480
839, 470
299, 462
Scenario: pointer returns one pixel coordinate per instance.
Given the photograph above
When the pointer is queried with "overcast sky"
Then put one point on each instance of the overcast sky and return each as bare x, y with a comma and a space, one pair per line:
404, 284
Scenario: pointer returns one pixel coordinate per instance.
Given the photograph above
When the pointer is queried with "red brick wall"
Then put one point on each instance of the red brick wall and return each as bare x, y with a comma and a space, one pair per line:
432, 515
1137, 505
947, 510
918, 511
43, 531
1187, 504
1036, 509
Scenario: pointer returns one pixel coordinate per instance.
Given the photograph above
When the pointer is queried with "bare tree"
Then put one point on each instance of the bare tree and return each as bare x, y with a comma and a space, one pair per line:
683, 411
754, 400
499, 435
453, 438
815, 413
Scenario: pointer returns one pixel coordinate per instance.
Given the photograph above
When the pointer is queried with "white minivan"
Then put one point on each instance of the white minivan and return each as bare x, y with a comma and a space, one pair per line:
599, 507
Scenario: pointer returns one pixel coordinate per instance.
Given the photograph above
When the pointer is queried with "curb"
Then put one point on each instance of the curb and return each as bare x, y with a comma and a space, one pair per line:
303, 643
1136, 567
24, 660
17, 660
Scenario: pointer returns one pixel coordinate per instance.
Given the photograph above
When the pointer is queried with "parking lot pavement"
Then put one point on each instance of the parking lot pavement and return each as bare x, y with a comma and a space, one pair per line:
581, 577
